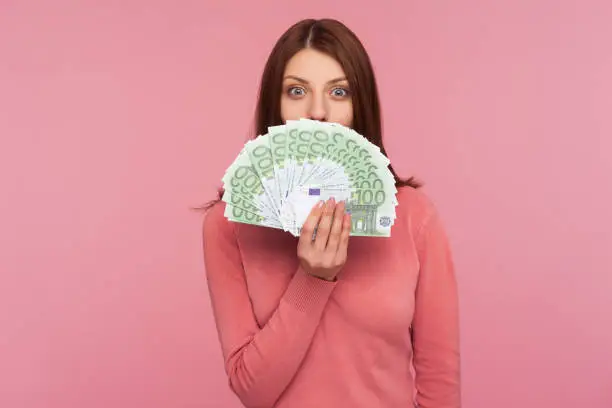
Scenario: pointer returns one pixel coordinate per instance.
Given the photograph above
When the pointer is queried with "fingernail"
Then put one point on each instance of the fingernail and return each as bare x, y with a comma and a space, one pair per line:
320, 203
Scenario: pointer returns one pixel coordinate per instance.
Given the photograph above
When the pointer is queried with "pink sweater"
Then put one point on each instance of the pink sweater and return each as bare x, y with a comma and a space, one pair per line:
292, 340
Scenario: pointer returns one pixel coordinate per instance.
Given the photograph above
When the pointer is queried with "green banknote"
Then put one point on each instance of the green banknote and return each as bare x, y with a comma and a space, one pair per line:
278, 177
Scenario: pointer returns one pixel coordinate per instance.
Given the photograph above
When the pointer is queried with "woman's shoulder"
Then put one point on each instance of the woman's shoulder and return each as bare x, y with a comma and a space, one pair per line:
415, 207
215, 220
414, 202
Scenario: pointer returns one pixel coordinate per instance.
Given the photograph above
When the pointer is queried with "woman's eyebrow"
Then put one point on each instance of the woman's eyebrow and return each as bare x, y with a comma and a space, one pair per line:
302, 80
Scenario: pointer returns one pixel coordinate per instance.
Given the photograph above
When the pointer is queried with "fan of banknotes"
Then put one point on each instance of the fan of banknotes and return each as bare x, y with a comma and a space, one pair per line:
278, 177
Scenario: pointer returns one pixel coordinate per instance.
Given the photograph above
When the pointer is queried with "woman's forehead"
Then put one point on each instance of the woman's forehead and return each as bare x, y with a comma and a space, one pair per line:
310, 65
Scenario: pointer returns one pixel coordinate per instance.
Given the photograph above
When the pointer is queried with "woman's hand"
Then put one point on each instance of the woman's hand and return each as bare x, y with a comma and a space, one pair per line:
325, 256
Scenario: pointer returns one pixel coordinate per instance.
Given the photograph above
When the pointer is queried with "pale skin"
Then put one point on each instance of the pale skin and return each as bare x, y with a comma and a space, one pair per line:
315, 87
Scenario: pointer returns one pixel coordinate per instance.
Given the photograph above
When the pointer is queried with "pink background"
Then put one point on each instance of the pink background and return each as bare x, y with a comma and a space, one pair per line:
116, 117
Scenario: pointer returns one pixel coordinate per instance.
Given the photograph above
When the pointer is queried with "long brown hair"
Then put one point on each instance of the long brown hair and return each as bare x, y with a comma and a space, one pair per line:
338, 41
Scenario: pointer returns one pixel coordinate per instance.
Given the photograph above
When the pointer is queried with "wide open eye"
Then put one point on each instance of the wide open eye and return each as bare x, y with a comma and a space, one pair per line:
296, 91
340, 92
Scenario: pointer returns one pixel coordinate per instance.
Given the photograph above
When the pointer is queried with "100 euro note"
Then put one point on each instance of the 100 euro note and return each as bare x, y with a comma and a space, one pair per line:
262, 162
245, 196
282, 165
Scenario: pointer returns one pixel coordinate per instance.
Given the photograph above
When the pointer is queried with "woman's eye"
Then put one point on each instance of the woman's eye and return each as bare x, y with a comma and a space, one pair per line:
339, 92
295, 91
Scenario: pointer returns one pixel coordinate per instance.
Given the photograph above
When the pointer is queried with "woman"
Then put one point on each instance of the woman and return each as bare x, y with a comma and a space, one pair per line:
321, 323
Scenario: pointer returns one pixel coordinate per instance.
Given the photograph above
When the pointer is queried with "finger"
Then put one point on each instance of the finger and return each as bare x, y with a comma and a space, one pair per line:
344, 238
311, 223
325, 225
336, 229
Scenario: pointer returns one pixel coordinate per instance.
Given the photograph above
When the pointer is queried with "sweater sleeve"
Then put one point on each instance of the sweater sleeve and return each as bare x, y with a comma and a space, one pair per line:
260, 361
436, 321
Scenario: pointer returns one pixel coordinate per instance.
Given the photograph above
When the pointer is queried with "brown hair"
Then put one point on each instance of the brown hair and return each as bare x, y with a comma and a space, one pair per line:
338, 41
